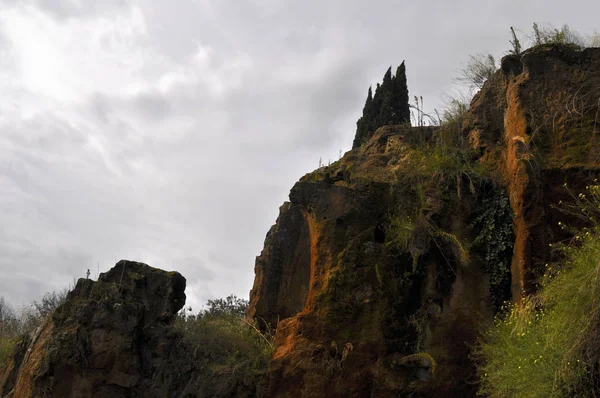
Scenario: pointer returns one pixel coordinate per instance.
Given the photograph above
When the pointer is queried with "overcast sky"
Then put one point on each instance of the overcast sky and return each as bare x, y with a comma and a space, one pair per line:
170, 132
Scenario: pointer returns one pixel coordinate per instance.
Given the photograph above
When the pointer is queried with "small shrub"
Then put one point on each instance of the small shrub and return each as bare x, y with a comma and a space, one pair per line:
49, 302
551, 35
515, 43
455, 111
594, 40
417, 237
478, 69
229, 350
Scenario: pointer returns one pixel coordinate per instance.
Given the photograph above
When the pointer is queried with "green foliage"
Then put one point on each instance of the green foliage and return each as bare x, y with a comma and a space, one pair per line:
416, 237
400, 235
229, 305
435, 171
389, 106
548, 345
454, 113
443, 164
230, 350
495, 239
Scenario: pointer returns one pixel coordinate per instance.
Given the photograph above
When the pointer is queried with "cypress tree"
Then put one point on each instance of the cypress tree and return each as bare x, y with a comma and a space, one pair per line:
387, 78
377, 100
388, 106
364, 124
401, 97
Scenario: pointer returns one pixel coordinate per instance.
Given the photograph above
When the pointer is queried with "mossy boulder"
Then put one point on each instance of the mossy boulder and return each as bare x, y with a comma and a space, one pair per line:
110, 338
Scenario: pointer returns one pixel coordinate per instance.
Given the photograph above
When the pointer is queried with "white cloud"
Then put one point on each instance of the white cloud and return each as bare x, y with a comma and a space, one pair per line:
170, 134
67, 59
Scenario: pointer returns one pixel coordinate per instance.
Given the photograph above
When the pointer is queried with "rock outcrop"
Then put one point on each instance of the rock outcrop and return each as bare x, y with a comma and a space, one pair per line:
364, 309
109, 339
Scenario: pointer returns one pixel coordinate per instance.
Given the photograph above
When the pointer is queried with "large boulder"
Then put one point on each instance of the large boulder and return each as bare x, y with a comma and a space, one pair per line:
109, 339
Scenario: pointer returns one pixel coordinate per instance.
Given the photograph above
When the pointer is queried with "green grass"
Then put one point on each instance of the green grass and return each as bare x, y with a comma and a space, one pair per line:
7, 346
442, 161
548, 345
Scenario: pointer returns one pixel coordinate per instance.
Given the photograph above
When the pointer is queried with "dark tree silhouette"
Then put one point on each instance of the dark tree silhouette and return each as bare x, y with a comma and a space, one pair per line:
388, 106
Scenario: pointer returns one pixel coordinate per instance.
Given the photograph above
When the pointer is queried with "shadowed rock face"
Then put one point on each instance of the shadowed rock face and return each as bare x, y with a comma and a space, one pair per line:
538, 122
109, 339
345, 305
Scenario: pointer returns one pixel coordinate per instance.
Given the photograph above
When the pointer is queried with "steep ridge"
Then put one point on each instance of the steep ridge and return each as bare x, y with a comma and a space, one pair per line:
356, 312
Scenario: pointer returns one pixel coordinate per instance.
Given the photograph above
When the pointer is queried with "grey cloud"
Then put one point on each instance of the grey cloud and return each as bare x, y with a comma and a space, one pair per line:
64, 9
152, 105
100, 107
196, 269
190, 179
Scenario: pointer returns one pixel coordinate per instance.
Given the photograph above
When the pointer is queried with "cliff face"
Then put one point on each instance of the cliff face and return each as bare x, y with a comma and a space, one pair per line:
364, 308
538, 121
109, 339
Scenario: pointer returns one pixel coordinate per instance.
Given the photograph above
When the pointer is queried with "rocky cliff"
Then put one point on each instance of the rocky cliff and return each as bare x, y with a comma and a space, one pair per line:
109, 339
382, 268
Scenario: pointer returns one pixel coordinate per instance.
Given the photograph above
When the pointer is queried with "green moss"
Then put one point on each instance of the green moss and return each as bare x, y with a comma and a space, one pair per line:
402, 293
7, 347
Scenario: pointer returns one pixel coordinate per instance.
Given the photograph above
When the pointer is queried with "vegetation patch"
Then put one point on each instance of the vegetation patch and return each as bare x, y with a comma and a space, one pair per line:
228, 349
548, 346
14, 323
7, 347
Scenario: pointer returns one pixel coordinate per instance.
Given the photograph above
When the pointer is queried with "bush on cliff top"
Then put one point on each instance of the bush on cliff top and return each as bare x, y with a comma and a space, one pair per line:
229, 350
549, 346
